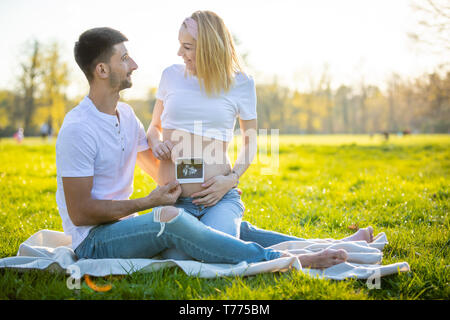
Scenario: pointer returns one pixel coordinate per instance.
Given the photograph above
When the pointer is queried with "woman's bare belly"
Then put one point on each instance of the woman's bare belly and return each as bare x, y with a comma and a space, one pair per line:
187, 145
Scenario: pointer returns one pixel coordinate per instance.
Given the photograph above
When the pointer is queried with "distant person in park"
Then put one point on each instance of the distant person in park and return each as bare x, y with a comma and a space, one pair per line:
18, 135
44, 130
100, 142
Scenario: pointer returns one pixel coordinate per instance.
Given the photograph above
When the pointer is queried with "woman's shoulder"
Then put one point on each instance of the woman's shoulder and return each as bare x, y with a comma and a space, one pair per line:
243, 79
174, 69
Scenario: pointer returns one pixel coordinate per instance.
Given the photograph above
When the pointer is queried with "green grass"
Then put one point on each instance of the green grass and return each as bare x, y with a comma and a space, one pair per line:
323, 184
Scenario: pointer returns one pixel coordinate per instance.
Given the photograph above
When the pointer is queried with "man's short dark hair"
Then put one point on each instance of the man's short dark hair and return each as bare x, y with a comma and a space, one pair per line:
95, 46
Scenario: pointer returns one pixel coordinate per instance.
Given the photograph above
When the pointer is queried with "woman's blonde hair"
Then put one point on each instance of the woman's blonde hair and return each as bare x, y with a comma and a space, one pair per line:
216, 59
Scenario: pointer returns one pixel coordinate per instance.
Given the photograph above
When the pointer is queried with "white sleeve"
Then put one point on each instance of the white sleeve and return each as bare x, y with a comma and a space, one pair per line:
142, 137
142, 143
162, 88
247, 101
76, 150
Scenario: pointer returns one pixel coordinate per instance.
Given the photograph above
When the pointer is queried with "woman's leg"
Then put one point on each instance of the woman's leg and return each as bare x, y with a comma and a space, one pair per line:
226, 215
365, 234
265, 238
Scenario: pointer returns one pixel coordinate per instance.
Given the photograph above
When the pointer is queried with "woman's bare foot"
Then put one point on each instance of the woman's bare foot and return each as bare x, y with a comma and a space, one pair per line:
322, 259
365, 234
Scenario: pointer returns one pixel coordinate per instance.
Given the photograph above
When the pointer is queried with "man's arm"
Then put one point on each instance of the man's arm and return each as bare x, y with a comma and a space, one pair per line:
83, 210
148, 163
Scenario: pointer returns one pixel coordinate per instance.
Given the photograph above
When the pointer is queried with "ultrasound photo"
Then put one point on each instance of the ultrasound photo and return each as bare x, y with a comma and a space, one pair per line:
189, 170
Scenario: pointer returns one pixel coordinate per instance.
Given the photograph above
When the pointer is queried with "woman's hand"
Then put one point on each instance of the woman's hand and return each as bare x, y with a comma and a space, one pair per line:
163, 150
216, 188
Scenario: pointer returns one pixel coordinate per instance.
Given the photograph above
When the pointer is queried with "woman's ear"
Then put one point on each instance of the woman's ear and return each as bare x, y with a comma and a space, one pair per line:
102, 70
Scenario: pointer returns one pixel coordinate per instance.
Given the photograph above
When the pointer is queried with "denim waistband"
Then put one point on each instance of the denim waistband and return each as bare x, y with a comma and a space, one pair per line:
190, 199
185, 200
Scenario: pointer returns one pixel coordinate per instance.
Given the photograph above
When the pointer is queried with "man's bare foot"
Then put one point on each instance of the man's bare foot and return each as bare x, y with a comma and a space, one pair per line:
365, 234
322, 259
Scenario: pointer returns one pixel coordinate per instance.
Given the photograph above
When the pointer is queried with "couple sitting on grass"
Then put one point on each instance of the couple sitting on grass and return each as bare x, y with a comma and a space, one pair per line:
101, 140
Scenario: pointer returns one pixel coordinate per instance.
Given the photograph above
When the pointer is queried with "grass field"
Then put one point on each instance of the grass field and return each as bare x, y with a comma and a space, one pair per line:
322, 185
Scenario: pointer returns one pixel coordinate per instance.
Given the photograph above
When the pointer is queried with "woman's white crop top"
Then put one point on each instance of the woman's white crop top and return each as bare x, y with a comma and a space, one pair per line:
188, 108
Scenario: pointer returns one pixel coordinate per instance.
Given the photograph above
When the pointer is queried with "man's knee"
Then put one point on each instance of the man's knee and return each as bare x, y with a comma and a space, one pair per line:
164, 215
168, 214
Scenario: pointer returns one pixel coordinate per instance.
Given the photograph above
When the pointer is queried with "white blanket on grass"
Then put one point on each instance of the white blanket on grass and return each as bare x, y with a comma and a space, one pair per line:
51, 250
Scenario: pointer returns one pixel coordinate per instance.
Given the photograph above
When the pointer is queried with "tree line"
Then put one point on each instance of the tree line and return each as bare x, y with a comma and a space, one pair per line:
420, 105
417, 105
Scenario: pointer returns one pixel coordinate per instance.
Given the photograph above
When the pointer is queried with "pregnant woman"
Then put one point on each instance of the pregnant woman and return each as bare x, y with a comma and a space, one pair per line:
194, 117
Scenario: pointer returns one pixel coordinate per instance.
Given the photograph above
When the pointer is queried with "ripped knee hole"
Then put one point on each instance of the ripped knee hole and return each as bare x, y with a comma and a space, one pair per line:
165, 215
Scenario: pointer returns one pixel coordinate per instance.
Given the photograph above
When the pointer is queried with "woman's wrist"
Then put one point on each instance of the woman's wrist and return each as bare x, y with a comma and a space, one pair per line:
235, 178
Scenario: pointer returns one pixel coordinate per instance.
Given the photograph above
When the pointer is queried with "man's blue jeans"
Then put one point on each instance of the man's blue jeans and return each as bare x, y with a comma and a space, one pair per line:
142, 237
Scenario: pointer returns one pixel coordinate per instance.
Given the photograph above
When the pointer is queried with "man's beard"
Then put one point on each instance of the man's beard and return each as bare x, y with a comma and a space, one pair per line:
114, 82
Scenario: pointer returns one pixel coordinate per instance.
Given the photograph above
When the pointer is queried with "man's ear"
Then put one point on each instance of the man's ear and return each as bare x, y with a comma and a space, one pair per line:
102, 70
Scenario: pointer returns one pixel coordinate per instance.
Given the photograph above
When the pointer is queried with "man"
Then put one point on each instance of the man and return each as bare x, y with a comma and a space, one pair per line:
101, 140
97, 148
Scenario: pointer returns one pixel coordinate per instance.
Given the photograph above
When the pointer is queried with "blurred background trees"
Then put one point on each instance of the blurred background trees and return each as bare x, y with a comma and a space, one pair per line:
419, 105
433, 25
40, 94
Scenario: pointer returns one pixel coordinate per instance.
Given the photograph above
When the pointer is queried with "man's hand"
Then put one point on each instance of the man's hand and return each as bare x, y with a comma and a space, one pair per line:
165, 195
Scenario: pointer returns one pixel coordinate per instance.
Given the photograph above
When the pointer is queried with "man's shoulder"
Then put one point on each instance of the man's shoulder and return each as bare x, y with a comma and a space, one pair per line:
125, 110
77, 114
128, 112
77, 125
124, 107
76, 133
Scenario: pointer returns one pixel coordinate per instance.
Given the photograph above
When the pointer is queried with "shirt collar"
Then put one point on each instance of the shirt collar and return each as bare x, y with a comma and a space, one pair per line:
111, 119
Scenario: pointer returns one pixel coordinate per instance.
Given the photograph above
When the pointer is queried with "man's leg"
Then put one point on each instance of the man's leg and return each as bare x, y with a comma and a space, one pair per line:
174, 253
145, 236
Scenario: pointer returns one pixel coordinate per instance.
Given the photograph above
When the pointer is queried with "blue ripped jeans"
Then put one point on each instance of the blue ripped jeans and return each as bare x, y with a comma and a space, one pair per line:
187, 234
226, 216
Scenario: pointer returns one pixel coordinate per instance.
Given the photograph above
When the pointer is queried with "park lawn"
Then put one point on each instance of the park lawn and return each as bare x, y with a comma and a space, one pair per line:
320, 186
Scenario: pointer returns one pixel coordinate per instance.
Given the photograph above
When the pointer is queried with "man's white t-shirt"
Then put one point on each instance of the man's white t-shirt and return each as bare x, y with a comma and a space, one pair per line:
188, 108
93, 143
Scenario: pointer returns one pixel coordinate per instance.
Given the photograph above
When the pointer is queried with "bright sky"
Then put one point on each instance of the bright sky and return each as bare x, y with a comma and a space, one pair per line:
291, 40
